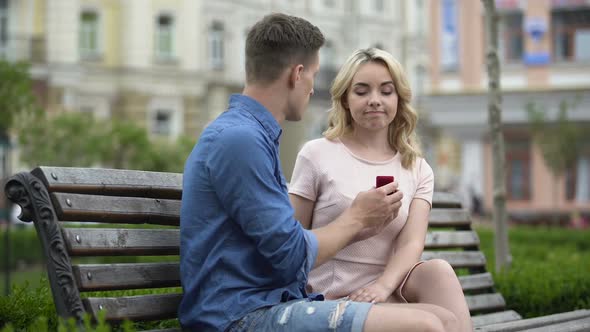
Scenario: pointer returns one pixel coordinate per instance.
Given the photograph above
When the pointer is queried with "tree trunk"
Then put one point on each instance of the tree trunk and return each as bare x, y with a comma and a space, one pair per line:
556, 215
503, 258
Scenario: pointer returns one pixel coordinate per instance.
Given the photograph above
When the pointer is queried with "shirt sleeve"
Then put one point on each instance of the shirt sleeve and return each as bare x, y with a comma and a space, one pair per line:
242, 170
305, 179
425, 188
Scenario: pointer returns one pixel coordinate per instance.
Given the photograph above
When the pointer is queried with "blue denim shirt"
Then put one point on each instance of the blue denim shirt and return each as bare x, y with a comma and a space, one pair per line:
240, 247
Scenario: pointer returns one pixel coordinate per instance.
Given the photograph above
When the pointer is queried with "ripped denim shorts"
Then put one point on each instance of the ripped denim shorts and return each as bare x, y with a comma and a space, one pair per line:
306, 315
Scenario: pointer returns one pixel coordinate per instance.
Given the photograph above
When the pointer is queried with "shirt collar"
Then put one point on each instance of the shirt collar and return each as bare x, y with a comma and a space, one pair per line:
259, 112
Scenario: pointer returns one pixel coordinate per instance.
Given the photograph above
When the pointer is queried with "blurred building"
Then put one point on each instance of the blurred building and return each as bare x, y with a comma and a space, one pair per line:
170, 65
545, 59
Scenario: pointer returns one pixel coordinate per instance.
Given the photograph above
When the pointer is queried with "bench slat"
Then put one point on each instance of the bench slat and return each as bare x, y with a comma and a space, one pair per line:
136, 308
531, 323
113, 209
476, 281
111, 181
82, 207
95, 277
458, 259
451, 239
449, 218
485, 302
445, 200
496, 317
117, 242
579, 325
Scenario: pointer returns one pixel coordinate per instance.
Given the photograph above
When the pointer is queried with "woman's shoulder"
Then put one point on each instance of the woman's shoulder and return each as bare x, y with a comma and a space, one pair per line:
318, 145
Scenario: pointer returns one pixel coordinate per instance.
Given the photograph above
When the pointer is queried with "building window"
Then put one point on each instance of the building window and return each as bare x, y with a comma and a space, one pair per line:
571, 34
379, 46
379, 6
328, 55
519, 168
3, 26
88, 110
216, 46
511, 40
88, 34
162, 122
164, 43
449, 42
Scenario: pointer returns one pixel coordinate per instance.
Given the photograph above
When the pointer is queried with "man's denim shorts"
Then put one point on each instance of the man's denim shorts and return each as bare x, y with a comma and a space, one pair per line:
306, 315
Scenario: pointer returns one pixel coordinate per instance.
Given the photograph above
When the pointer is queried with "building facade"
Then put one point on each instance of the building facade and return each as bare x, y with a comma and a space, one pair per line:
545, 60
170, 65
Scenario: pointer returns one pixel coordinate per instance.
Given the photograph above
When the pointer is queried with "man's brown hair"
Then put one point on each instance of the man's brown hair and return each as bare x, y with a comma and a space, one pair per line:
277, 41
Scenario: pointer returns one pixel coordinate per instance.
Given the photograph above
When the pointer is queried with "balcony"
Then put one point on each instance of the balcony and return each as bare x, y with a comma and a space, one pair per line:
31, 49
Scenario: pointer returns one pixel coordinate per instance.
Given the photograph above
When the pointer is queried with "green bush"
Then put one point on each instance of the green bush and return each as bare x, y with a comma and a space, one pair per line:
549, 272
24, 305
27, 309
41, 324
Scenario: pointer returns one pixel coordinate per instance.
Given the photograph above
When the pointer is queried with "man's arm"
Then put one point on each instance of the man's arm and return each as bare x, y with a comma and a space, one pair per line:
365, 210
242, 170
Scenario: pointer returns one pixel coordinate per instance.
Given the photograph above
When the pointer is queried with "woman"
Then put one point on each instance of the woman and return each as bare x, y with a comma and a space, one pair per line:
371, 133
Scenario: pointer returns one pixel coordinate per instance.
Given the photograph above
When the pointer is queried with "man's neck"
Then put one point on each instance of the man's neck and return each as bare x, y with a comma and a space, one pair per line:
270, 96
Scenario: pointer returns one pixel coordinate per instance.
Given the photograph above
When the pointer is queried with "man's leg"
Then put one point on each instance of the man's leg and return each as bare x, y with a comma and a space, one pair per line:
435, 282
342, 315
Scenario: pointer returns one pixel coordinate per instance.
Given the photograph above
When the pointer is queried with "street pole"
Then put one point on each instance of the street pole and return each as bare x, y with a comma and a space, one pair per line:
5, 148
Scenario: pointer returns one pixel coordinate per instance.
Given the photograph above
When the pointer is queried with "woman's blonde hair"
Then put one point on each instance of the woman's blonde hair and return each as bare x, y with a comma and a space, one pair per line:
402, 136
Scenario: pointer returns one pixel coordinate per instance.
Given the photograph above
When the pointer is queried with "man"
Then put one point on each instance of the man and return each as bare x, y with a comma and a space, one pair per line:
244, 258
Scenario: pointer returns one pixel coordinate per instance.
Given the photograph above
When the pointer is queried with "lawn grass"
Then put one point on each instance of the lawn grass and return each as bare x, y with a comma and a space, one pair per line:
550, 270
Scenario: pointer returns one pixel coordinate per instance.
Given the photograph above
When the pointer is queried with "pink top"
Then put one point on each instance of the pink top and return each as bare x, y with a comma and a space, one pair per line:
329, 174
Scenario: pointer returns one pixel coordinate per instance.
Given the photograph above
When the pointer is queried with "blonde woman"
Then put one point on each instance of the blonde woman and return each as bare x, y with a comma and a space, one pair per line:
371, 133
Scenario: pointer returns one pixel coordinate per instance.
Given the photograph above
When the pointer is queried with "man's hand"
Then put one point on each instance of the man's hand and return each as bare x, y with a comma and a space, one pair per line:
377, 207
369, 213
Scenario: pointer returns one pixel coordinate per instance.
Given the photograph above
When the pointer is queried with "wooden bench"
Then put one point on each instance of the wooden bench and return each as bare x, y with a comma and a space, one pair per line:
141, 213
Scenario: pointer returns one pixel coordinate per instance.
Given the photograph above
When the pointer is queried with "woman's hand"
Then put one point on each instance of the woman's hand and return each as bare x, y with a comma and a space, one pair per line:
375, 292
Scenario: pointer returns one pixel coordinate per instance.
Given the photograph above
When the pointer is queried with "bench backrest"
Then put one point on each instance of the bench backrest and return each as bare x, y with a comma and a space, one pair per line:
112, 215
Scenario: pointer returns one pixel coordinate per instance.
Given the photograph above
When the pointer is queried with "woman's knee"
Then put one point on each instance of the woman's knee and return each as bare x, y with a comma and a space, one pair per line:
427, 274
438, 267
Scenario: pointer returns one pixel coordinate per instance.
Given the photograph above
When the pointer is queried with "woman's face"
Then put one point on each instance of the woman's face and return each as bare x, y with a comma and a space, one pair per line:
372, 98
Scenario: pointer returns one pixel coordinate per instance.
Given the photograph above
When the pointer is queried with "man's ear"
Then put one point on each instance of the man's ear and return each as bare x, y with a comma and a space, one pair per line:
295, 75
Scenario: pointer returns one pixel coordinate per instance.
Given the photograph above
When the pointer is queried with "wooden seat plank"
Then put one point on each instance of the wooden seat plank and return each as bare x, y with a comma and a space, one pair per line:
451, 239
532, 323
136, 308
95, 277
458, 259
113, 209
121, 241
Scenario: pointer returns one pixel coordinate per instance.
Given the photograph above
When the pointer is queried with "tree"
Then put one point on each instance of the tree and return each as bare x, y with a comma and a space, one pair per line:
76, 139
17, 100
67, 139
503, 258
560, 142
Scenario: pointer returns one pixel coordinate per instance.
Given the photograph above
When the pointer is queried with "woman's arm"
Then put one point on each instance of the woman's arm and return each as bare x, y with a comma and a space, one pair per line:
407, 251
303, 209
